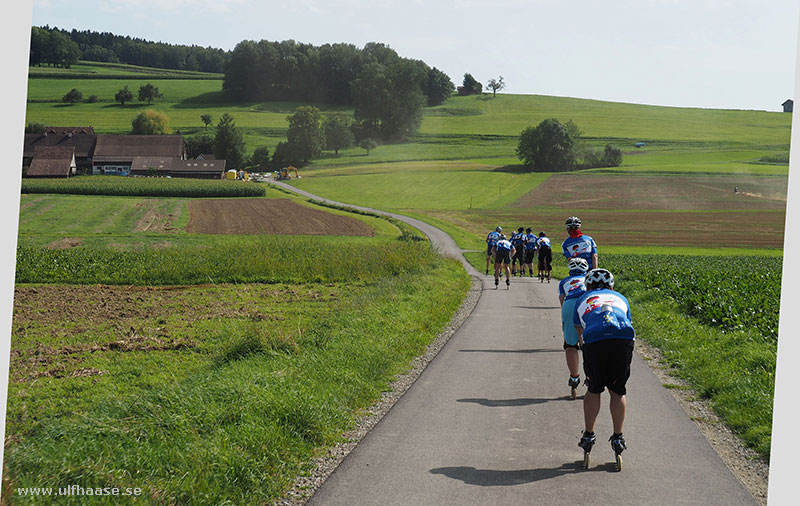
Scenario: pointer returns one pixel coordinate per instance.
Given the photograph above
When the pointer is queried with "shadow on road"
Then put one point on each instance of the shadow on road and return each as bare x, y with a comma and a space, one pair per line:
538, 307
500, 403
496, 478
534, 350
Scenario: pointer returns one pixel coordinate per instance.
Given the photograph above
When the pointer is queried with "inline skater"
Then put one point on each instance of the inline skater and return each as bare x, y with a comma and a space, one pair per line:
491, 240
579, 244
569, 289
545, 256
530, 250
602, 318
518, 241
503, 251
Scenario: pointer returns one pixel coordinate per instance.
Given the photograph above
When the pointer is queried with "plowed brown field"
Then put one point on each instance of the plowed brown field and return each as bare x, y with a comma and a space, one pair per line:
268, 216
686, 193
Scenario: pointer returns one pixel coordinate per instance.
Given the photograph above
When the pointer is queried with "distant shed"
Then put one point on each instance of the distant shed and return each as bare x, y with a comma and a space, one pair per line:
788, 105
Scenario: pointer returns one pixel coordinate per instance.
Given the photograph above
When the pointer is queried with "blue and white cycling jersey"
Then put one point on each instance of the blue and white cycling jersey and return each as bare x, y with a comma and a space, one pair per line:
572, 286
503, 245
492, 238
581, 247
518, 240
530, 241
543, 242
603, 314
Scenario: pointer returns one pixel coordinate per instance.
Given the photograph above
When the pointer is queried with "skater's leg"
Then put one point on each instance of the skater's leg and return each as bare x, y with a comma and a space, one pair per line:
591, 408
617, 406
573, 362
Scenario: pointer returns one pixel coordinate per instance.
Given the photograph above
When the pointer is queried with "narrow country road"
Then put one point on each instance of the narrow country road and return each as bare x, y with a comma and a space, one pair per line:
490, 422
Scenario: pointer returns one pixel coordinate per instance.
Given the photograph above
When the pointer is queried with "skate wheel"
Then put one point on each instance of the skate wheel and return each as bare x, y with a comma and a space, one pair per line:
586, 460
574, 393
619, 462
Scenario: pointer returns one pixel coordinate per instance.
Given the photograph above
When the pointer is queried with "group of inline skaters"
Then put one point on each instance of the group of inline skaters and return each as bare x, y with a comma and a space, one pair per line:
595, 320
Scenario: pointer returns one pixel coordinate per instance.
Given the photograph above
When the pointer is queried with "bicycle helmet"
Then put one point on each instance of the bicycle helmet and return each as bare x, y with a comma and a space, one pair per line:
519, 229
498, 229
578, 264
573, 222
528, 230
503, 236
599, 278
542, 234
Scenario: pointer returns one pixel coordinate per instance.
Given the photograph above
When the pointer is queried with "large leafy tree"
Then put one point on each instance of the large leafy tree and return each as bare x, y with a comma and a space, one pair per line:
123, 95
149, 92
260, 157
150, 122
305, 134
471, 84
546, 147
199, 144
338, 134
73, 96
228, 142
388, 99
439, 87
495, 85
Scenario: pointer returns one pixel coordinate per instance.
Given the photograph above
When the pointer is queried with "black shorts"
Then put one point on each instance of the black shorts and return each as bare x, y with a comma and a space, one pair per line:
529, 255
489, 250
607, 363
576, 346
545, 258
502, 256
518, 254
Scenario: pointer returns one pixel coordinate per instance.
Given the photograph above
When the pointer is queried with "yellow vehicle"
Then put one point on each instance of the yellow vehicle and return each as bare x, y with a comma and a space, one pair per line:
286, 173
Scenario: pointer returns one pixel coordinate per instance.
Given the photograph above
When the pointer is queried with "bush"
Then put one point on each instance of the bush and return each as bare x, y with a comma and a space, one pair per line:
546, 147
612, 157
92, 99
150, 122
73, 96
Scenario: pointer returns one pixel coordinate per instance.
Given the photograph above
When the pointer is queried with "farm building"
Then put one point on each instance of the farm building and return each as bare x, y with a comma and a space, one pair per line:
788, 105
53, 161
114, 154
175, 167
82, 144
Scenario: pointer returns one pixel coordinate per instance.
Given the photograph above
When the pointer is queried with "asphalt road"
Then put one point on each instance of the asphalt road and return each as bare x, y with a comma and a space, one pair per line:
490, 422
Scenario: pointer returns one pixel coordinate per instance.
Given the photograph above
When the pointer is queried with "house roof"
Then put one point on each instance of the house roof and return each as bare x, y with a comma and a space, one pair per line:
83, 144
789, 101
126, 147
173, 164
69, 130
52, 161
198, 166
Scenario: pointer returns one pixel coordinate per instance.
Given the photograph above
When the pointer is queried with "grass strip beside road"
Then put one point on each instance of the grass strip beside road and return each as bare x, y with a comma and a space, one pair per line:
240, 415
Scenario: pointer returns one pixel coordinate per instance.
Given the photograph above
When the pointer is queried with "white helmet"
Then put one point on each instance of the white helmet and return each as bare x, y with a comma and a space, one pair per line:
578, 264
599, 278
498, 229
573, 222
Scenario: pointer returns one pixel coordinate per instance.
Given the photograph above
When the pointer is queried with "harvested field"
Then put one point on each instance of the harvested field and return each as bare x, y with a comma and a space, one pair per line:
610, 191
268, 216
713, 229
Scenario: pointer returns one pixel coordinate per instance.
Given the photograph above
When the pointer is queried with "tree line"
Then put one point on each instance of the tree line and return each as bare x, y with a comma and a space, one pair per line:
58, 47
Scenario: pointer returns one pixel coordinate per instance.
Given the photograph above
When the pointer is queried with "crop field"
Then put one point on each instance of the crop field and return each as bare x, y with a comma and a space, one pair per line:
143, 187
689, 193
268, 216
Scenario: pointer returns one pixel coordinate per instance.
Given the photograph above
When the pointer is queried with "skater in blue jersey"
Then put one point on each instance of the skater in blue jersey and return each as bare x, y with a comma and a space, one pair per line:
569, 289
579, 244
518, 241
545, 256
530, 250
491, 240
503, 251
605, 332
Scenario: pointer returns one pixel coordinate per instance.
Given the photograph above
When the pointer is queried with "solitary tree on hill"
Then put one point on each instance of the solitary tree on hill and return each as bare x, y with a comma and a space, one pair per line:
123, 95
495, 85
148, 92
207, 119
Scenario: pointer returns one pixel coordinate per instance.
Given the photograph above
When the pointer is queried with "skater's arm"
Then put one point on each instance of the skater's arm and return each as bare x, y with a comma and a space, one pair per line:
561, 299
594, 260
579, 329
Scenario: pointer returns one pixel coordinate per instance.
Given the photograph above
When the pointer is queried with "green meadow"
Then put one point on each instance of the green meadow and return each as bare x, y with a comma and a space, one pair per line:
312, 338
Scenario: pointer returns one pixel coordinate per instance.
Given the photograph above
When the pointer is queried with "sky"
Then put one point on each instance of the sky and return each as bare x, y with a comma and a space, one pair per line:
690, 53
